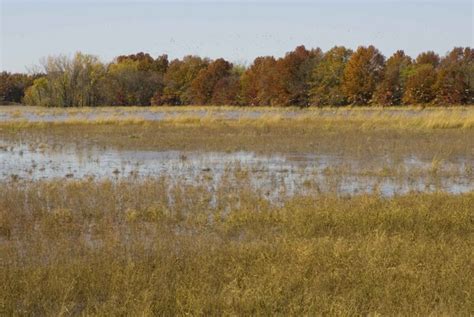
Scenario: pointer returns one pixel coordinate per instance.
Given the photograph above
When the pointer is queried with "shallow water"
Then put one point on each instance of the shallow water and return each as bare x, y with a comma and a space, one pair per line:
275, 176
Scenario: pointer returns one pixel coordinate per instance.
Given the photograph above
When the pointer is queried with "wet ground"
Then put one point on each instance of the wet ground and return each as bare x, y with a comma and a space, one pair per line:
274, 175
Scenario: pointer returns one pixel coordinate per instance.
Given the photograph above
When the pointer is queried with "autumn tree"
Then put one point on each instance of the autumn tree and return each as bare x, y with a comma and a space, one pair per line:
134, 79
13, 86
293, 76
428, 57
391, 89
69, 82
420, 85
281, 82
128, 84
257, 82
302, 77
122, 82
39, 94
61, 80
89, 72
454, 79
177, 81
421, 78
202, 87
327, 78
227, 89
363, 72
469, 69
146, 62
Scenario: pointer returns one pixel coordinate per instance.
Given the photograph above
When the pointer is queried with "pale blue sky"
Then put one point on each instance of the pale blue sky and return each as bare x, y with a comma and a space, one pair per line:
236, 30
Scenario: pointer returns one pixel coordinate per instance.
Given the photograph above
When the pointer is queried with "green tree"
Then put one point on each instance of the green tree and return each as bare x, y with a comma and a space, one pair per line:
363, 72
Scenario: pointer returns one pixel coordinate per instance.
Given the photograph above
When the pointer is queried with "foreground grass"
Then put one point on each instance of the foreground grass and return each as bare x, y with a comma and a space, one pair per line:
137, 248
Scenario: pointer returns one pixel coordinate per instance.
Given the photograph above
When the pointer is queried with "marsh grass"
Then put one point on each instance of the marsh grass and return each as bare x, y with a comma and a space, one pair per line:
365, 117
346, 139
137, 248
165, 246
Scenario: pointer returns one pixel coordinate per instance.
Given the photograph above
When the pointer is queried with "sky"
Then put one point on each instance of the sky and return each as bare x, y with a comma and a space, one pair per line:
236, 30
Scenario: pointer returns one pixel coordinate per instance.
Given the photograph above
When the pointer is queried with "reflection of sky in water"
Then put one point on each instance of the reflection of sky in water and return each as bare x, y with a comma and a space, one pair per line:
273, 175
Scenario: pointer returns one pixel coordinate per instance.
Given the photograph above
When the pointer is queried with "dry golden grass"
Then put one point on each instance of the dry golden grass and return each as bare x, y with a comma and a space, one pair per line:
105, 120
365, 117
128, 248
439, 119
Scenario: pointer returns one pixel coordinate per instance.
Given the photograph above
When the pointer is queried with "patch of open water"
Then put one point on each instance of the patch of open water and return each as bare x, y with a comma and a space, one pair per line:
274, 175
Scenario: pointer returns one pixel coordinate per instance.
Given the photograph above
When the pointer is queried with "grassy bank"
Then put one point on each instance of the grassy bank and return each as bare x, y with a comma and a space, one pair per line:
85, 247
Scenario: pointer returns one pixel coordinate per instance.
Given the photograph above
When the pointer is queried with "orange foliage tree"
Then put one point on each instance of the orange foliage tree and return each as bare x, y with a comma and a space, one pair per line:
362, 74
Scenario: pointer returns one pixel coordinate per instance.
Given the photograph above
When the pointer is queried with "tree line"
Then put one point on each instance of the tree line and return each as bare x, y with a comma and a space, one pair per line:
302, 78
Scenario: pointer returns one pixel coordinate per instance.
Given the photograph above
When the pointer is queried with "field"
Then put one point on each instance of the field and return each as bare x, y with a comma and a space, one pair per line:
236, 211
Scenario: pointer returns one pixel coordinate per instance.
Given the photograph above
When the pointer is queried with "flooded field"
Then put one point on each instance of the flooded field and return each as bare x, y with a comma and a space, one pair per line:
320, 206
356, 151
277, 174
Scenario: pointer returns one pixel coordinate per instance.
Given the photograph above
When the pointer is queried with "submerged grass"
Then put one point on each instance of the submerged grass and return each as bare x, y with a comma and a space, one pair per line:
136, 248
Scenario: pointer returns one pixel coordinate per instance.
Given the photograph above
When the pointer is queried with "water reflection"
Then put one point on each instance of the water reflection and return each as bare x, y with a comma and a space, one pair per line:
274, 175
